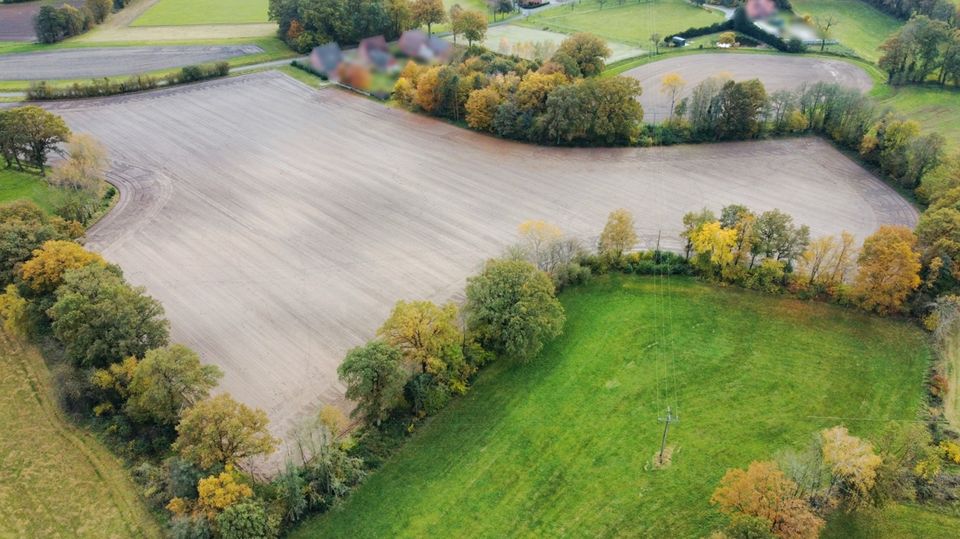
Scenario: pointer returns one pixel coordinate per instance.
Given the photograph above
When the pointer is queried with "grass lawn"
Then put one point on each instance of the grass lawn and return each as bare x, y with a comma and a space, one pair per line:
899, 521
182, 12
631, 22
860, 27
57, 480
16, 185
562, 446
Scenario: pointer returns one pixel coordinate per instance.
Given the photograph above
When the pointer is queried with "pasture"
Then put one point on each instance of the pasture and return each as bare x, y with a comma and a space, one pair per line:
16, 185
937, 109
563, 445
776, 72
626, 22
859, 27
278, 228
524, 42
196, 12
57, 480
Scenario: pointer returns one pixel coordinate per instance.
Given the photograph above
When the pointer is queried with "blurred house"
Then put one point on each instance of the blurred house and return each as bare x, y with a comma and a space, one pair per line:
760, 9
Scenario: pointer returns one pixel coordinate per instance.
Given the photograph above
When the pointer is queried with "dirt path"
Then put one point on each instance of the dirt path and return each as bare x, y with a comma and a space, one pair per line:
278, 224
775, 71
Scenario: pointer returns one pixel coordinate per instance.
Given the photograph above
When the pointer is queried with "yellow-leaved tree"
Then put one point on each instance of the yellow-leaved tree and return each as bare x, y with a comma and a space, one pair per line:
853, 465
888, 269
217, 492
715, 243
481, 107
671, 85
619, 234
44, 272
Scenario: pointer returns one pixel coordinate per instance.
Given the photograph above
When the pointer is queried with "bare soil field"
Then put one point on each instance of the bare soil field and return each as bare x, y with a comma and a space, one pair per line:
16, 20
279, 224
776, 72
107, 62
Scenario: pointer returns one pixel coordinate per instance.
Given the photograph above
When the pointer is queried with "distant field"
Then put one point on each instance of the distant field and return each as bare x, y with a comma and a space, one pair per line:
511, 39
562, 446
937, 109
630, 22
16, 185
860, 27
57, 480
184, 12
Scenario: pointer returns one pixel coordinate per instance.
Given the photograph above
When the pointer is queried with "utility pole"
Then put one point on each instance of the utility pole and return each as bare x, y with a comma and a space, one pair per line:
666, 428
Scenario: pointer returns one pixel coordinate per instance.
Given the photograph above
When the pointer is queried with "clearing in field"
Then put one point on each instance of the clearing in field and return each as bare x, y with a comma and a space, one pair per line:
626, 22
532, 44
563, 445
776, 72
187, 12
57, 480
278, 224
860, 27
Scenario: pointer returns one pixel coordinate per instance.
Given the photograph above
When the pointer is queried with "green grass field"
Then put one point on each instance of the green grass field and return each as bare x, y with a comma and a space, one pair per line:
562, 446
15, 185
860, 27
183, 12
57, 480
631, 22
901, 521
937, 109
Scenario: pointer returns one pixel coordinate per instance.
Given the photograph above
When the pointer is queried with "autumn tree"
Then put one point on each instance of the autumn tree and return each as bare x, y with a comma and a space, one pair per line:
618, 234
481, 107
512, 308
692, 222
428, 335
428, 12
776, 236
222, 431
100, 319
218, 492
715, 245
853, 465
888, 269
536, 239
44, 272
456, 21
763, 491
374, 376
671, 85
828, 260
169, 380
824, 26
587, 51
739, 218
401, 15
741, 109
85, 165
24, 227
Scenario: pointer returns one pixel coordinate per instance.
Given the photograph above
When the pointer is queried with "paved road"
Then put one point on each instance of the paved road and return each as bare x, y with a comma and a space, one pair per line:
775, 71
105, 62
279, 224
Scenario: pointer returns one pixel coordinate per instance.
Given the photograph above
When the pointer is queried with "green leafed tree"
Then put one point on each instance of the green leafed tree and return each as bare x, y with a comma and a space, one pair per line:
169, 380
512, 309
221, 431
375, 377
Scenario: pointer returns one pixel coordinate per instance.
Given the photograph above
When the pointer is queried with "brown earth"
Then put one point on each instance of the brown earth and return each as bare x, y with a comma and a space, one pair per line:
279, 224
16, 20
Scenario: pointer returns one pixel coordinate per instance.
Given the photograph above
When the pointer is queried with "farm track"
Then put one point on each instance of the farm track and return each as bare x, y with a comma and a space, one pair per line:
278, 224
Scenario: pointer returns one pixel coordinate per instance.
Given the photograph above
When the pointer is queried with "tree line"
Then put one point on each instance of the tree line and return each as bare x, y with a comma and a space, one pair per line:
922, 49
941, 10
304, 24
558, 102
53, 24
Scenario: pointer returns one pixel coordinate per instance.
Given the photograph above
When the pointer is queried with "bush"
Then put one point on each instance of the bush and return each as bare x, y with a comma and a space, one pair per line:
40, 91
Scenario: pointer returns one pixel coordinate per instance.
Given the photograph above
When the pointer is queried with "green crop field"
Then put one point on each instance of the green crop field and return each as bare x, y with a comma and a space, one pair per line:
563, 445
57, 480
630, 22
16, 185
184, 12
860, 27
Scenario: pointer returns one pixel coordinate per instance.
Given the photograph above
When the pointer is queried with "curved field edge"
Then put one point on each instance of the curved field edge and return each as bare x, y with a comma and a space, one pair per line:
562, 445
58, 480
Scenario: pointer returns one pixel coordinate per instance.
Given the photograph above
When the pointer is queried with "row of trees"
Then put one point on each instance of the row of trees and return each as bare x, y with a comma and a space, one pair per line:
559, 103
53, 24
922, 49
304, 24
791, 497
941, 10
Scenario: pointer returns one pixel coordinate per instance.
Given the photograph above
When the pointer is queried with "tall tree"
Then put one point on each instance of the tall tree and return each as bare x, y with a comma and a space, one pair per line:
853, 466
427, 334
588, 51
169, 380
38, 131
671, 85
512, 308
428, 12
473, 23
222, 431
888, 269
44, 272
619, 234
375, 377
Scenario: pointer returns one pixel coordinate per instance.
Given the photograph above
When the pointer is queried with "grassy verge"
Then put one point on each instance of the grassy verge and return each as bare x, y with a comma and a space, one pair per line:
57, 480
564, 445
